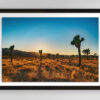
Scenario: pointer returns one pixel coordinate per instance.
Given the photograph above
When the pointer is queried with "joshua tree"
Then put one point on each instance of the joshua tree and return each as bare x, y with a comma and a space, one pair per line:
11, 49
77, 42
95, 55
69, 59
87, 52
49, 55
57, 56
39, 74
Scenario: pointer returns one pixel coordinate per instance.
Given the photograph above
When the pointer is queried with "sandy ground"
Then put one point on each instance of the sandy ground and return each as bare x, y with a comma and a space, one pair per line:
51, 70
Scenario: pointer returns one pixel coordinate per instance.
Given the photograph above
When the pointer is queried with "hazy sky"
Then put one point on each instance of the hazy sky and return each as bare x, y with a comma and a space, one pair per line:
52, 35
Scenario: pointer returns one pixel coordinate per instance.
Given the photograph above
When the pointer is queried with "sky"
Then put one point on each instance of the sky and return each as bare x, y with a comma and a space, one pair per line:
52, 35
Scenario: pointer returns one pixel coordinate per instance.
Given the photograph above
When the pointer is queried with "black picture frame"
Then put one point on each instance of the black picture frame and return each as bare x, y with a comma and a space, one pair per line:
49, 11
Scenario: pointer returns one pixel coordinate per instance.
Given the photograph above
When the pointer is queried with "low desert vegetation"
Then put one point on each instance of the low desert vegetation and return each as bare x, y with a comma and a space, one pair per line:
18, 66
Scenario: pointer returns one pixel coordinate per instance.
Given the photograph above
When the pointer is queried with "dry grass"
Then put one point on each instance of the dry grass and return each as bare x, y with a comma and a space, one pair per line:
26, 70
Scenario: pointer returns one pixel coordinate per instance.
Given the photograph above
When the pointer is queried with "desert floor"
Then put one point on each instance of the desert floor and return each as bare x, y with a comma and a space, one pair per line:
52, 70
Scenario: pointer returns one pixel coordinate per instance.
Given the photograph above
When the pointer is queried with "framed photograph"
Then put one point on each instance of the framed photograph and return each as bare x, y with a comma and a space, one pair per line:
49, 49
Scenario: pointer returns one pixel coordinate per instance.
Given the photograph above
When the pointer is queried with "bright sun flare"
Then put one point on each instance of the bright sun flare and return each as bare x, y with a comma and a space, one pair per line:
42, 46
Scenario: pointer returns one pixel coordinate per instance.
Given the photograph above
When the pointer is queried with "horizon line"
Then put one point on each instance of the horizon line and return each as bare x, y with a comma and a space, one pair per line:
51, 52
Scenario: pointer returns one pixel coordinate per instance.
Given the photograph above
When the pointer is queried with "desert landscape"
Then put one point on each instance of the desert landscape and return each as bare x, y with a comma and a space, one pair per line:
50, 69
50, 50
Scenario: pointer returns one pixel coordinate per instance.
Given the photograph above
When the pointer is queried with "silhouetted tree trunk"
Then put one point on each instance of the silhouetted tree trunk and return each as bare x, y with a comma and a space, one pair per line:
39, 74
11, 57
39, 70
11, 49
87, 57
79, 52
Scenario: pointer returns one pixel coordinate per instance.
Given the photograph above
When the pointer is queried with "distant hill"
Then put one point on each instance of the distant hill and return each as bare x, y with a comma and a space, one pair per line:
5, 51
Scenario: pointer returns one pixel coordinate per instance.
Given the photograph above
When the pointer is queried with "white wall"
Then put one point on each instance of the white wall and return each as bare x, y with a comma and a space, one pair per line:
52, 94
49, 3
49, 95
